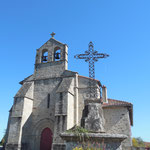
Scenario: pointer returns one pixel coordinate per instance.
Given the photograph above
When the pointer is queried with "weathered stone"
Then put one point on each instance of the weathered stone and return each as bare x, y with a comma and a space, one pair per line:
93, 119
94, 140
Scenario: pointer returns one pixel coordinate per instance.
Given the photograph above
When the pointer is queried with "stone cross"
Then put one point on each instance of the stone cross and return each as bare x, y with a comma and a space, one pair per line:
52, 34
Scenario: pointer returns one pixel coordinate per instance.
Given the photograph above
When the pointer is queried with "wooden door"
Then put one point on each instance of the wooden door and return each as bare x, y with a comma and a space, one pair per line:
46, 139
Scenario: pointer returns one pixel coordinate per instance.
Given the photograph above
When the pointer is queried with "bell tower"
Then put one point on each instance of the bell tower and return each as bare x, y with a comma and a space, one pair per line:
51, 59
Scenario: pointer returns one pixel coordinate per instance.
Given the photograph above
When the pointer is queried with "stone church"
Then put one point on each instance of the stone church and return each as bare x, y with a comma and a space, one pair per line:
52, 100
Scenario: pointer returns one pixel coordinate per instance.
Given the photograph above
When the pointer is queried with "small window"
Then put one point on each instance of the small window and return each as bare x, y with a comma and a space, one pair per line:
44, 56
60, 106
57, 54
61, 95
63, 124
48, 100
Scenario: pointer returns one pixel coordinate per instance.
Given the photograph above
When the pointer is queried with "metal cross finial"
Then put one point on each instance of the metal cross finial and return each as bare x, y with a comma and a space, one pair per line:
91, 56
52, 34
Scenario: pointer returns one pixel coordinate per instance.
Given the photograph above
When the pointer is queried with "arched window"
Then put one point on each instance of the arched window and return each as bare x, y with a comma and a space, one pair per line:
57, 54
44, 56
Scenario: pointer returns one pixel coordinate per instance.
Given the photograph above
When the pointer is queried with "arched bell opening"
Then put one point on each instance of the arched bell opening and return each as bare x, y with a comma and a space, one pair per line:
44, 58
46, 139
57, 54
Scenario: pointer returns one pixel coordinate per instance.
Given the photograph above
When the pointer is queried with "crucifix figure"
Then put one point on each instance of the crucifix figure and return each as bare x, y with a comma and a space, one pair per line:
91, 56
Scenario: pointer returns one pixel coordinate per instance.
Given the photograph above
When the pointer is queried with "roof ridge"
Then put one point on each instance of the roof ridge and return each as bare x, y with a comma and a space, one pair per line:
119, 100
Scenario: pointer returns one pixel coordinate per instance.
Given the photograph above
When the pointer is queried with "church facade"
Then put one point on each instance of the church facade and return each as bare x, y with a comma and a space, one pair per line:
51, 101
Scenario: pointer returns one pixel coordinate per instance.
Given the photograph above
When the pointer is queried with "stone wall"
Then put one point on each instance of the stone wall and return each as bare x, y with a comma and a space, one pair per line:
43, 115
95, 145
117, 121
20, 112
48, 70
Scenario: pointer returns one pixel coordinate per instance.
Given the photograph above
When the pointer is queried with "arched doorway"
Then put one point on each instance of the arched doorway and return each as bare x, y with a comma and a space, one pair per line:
46, 139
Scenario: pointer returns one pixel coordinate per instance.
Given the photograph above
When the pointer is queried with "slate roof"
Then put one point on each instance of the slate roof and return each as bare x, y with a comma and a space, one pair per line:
118, 103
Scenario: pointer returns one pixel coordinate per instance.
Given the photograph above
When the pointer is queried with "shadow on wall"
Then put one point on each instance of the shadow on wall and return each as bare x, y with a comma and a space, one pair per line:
41, 118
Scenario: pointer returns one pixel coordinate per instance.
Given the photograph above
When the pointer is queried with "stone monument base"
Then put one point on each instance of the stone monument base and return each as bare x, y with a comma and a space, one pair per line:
96, 141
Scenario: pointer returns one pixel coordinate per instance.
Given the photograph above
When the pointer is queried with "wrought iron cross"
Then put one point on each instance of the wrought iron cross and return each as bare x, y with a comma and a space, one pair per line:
91, 56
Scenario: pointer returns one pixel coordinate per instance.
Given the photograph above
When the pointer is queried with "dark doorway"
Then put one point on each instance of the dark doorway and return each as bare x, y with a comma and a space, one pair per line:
46, 139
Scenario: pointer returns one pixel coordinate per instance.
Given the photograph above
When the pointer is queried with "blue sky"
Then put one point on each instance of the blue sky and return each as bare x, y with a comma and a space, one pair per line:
120, 28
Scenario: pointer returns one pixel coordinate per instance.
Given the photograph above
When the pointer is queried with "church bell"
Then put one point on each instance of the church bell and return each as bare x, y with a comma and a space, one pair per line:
44, 58
57, 55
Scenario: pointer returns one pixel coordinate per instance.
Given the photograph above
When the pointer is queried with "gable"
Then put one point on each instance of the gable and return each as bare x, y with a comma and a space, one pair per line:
51, 42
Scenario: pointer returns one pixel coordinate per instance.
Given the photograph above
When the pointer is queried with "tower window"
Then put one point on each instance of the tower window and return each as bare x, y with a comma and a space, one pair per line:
57, 54
44, 56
